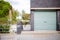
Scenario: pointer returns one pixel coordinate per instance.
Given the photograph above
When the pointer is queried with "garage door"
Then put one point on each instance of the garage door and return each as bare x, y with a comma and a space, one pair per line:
44, 20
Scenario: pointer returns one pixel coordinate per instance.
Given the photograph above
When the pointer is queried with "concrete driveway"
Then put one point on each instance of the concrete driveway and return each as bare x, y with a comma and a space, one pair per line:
30, 36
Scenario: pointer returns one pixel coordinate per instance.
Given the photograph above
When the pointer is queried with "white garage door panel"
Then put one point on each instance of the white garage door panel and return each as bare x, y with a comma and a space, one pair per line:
44, 20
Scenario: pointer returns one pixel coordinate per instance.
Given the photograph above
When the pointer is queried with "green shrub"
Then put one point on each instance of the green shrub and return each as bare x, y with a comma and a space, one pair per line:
4, 28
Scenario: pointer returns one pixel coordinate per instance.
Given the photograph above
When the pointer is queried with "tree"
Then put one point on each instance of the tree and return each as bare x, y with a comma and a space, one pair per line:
4, 11
25, 16
4, 8
4, 14
14, 15
1, 0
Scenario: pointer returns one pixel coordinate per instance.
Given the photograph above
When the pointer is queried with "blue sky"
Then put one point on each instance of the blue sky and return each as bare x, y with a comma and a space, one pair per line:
20, 5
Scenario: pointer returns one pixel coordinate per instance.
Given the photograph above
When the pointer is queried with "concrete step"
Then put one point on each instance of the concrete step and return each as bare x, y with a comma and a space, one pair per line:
39, 32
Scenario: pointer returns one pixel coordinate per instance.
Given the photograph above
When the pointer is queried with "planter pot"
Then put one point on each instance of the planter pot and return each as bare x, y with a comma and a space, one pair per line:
27, 27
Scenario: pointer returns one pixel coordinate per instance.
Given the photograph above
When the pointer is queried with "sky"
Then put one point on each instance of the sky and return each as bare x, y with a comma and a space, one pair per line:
20, 5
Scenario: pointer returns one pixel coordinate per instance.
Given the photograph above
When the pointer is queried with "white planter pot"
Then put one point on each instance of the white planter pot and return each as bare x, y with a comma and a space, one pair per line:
13, 28
27, 27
